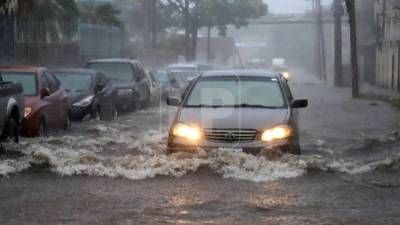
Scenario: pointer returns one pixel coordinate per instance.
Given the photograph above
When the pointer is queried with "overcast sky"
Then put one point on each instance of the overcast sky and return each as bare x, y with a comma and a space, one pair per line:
291, 6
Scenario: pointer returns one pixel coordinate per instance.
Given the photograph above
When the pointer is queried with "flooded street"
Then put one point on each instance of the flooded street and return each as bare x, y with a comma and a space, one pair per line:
120, 173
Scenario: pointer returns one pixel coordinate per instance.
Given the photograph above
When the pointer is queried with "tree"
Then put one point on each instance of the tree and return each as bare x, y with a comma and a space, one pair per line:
338, 11
8, 6
196, 14
350, 5
101, 14
52, 18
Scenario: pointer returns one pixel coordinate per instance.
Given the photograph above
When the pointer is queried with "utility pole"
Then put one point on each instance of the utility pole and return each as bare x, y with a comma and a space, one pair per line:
321, 40
351, 9
338, 13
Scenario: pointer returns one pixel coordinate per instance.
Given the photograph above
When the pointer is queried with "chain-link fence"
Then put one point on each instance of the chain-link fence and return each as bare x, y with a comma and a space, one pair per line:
57, 44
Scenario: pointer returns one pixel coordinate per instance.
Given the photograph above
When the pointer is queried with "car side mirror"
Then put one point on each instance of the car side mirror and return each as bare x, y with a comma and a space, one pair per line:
301, 103
44, 92
173, 102
175, 83
99, 87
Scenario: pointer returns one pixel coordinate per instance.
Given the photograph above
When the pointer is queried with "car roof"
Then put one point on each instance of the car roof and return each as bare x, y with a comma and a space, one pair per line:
183, 65
114, 60
26, 69
241, 73
74, 71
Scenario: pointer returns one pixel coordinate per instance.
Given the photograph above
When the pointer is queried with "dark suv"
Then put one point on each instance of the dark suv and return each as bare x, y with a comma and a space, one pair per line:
129, 78
247, 111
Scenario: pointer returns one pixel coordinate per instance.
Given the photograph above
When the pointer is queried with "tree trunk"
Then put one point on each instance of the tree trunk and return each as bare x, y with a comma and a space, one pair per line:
338, 12
353, 37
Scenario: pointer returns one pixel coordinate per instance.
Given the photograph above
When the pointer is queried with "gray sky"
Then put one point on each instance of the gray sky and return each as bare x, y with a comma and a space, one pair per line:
291, 6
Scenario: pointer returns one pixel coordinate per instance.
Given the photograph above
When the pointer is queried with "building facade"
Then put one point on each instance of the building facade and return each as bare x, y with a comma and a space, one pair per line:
387, 16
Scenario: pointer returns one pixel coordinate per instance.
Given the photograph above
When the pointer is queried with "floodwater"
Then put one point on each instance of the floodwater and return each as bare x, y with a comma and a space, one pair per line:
119, 172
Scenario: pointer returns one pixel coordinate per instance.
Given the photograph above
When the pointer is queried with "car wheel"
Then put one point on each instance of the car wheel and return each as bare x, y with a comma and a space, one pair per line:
11, 130
295, 149
67, 122
115, 112
99, 114
42, 128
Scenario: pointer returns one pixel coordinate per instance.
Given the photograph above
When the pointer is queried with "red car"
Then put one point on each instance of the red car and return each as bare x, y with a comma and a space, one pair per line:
46, 103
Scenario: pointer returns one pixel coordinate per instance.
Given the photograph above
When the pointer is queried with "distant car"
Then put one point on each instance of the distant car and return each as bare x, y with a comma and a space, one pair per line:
129, 78
247, 111
283, 70
177, 83
191, 71
11, 109
90, 93
160, 78
46, 102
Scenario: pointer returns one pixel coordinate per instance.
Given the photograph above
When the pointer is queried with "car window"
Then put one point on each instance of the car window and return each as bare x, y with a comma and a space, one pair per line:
236, 92
54, 84
139, 74
74, 81
27, 80
114, 71
44, 83
100, 78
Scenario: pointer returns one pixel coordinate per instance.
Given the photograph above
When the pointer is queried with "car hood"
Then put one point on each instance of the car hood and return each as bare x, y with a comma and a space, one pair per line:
233, 118
75, 96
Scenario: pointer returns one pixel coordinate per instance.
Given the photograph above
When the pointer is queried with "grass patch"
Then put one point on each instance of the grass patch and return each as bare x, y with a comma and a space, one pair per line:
393, 101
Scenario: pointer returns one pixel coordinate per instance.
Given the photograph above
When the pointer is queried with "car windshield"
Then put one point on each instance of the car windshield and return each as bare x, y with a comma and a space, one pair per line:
27, 80
75, 82
246, 92
114, 71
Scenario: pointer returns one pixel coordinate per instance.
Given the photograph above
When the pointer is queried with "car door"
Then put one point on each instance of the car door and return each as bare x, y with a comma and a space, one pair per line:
142, 83
48, 108
59, 100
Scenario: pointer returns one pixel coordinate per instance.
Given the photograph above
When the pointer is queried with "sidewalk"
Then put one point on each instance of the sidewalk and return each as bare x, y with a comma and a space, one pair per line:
338, 120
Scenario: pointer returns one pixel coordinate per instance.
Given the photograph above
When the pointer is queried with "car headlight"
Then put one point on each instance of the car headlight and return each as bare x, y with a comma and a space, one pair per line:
84, 102
125, 91
277, 133
28, 111
286, 75
185, 131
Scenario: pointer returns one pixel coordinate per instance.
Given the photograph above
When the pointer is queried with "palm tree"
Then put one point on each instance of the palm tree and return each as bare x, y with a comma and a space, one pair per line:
48, 20
350, 4
101, 14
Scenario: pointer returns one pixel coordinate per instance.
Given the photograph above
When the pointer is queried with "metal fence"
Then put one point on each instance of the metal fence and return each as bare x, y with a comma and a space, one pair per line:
57, 44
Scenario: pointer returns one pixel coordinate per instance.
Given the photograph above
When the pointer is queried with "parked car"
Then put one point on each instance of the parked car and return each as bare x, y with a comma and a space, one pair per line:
247, 111
129, 78
90, 93
190, 71
160, 78
11, 109
177, 83
46, 103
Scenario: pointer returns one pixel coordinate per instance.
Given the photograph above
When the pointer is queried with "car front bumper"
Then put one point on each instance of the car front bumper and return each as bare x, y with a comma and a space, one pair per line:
176, 144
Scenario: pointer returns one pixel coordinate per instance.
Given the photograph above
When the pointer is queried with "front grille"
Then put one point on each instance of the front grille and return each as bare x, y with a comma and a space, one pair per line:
230, 135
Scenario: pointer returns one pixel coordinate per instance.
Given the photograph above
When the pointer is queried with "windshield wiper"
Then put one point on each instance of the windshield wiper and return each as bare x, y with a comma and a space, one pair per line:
245, 105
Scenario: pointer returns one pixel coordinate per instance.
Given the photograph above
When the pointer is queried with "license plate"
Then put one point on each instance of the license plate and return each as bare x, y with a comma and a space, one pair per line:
230, 149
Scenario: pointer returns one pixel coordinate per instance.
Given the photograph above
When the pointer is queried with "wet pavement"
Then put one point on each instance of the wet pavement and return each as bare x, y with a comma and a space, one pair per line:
119, 172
